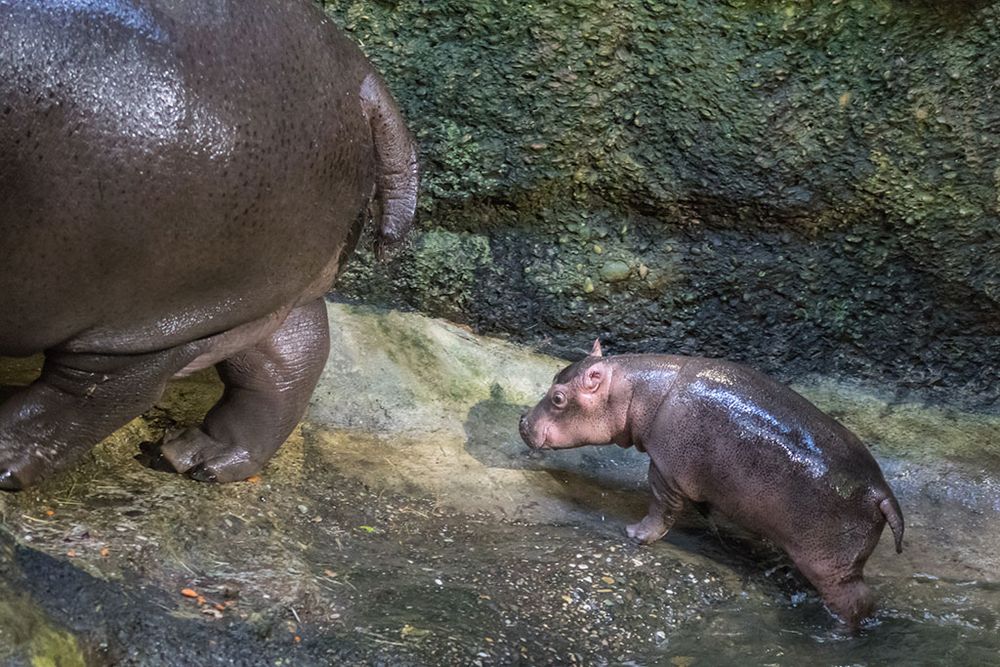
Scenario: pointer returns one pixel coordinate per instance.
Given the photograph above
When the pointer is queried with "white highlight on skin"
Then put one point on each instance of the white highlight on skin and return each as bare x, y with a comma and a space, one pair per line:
135, 18
187, 320
754, 421
369, 90
155, 107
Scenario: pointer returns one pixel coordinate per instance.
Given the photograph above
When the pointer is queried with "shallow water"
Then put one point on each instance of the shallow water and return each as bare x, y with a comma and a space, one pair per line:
460, 546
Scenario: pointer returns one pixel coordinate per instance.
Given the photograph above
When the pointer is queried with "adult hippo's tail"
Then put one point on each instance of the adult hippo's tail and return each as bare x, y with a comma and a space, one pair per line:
397, 174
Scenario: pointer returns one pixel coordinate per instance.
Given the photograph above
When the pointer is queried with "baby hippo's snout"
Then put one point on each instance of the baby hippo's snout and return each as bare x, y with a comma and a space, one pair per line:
525, 430
529, 429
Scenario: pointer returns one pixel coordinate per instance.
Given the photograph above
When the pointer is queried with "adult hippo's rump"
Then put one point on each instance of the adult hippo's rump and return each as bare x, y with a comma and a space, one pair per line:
180, 183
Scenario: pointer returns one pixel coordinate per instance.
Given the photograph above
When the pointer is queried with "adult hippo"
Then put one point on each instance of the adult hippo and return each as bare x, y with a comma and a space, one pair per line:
181, 181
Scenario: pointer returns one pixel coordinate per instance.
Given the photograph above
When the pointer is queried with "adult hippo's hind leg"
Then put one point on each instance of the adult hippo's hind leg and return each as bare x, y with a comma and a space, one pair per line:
267, 390
78, 400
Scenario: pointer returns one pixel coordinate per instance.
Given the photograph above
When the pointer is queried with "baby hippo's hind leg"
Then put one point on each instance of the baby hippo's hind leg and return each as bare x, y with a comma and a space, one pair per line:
267, 390
846, 596
837, 573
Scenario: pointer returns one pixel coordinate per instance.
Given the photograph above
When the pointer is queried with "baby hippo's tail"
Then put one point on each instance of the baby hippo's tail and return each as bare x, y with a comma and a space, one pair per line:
894, 517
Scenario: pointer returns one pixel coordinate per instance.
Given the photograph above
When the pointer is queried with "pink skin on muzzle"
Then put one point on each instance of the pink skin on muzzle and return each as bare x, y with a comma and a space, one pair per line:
528, 435
542, 433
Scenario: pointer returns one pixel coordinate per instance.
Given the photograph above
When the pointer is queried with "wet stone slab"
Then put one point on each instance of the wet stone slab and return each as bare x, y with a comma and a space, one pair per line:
405, 523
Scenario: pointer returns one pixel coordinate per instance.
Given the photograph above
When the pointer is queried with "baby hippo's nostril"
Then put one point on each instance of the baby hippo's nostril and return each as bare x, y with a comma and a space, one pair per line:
523, 427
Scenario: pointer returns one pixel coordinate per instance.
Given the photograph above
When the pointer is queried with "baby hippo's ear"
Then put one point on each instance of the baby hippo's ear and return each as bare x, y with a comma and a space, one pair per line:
594, 377
596, 350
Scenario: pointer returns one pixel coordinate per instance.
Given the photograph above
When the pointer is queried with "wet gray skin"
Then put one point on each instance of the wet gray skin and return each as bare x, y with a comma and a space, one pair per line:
172, 209
722, 434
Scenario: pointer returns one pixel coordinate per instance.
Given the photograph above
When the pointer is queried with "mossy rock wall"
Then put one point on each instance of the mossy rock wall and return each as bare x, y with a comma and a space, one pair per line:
807, 186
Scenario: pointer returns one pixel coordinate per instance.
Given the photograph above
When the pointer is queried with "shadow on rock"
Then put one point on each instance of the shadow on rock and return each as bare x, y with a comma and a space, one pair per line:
592, 484
6, 391
493, 440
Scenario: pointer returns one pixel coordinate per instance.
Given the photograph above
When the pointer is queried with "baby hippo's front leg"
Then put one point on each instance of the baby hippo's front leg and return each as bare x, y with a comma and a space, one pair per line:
663, 509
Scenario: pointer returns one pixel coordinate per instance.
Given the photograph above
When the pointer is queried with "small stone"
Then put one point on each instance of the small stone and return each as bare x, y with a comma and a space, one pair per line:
615, 271
588, 286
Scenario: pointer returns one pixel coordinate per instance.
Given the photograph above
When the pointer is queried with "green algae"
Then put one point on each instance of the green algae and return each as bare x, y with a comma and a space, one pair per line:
824, 175
421, 362
26, 634
906, 429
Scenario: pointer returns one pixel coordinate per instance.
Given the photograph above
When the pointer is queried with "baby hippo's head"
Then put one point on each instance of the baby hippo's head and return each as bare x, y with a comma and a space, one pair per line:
575, 410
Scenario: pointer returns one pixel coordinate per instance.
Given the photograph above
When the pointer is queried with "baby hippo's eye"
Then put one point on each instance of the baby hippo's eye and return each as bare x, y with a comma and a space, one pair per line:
559, 399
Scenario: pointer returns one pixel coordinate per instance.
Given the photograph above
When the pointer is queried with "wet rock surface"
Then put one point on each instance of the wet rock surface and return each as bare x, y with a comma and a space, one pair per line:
807, 188
405, 523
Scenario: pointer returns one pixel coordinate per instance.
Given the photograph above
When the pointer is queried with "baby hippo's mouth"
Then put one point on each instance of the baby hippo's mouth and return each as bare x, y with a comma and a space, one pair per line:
526, 434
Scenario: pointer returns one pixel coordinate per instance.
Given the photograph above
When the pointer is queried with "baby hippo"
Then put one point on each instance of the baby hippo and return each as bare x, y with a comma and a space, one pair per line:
720, 433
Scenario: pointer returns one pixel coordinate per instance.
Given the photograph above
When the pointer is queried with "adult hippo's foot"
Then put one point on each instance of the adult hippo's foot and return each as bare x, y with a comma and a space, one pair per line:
78, 400
200, 456
267, 391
